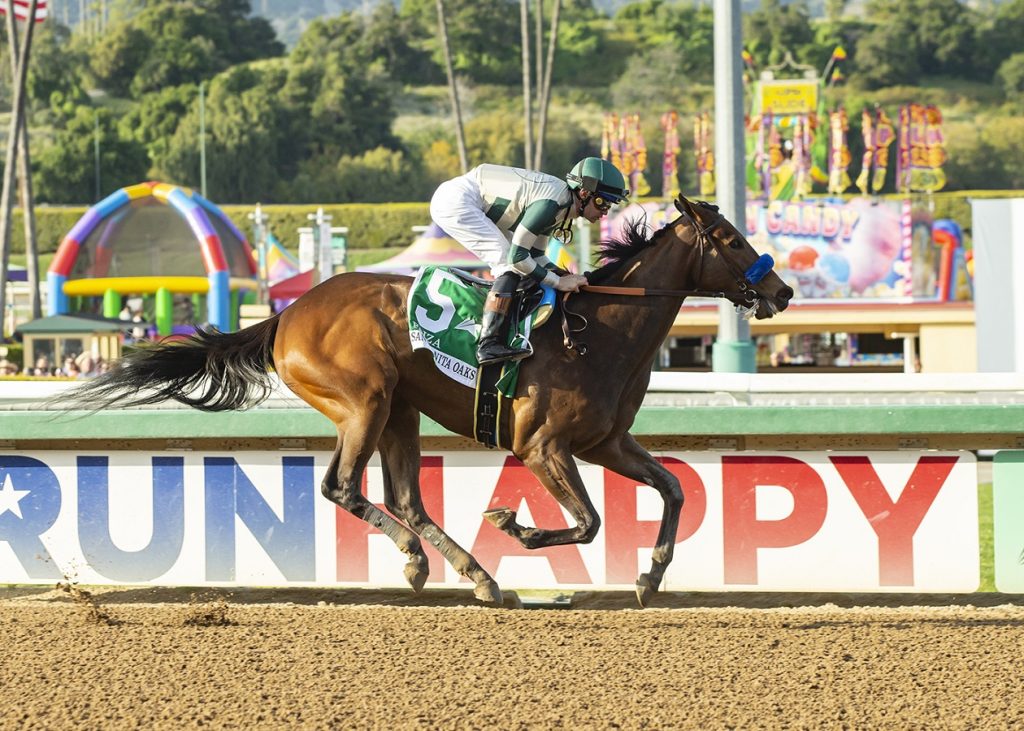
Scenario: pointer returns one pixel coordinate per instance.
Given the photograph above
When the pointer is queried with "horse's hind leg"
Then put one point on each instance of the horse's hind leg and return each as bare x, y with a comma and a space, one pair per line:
400, 453
625, 456
342, 485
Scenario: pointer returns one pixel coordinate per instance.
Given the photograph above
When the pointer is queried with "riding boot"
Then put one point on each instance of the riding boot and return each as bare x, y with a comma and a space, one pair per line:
493, 345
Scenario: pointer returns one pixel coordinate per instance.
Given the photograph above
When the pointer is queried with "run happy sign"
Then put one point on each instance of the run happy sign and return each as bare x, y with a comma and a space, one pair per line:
815, 521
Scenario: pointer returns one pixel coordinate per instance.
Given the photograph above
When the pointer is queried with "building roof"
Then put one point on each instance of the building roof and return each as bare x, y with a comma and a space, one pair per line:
73, 324
433, 247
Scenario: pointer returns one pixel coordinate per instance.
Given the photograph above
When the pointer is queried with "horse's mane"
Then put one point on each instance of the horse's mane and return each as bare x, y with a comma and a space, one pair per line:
617, 251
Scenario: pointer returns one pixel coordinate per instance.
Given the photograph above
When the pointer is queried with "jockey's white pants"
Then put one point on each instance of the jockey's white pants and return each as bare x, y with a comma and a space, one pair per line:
458, 207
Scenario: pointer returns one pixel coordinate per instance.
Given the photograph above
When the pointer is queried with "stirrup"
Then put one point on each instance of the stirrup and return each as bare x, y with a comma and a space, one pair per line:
509, 354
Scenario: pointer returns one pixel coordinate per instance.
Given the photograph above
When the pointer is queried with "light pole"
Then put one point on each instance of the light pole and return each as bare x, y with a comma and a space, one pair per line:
732, 352
259, 233
96, 150
202, 139
322, 236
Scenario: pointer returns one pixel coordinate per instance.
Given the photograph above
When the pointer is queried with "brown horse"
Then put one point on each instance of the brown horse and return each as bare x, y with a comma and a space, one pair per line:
344, 348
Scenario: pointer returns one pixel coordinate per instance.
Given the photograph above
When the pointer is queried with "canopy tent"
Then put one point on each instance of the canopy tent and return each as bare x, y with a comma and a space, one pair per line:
293, 287
281, 263
433, 247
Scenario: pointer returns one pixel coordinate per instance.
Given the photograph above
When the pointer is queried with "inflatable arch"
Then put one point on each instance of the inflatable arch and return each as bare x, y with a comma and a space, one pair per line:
128, 244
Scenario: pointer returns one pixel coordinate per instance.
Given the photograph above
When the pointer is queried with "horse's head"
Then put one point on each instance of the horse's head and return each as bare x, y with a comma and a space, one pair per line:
729, 264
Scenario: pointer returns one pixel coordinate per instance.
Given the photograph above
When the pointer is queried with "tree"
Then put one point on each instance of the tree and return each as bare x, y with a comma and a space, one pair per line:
773, 29
1011, 74
397, 43
167, 44
453, 89
915, 37
56, 67
663, 29
999, 36
65, 170
339, 104
154, 119
483, 35
886, 57
117, 57
245, 130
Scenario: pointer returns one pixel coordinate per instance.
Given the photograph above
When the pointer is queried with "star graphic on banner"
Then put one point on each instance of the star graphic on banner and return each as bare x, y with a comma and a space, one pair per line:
9, 497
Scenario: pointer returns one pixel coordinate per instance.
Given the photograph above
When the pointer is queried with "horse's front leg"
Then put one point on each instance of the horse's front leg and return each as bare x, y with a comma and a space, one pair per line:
556, 470
624, 456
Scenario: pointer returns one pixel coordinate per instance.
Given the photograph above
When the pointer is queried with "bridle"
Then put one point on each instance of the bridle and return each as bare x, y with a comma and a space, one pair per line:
705, 241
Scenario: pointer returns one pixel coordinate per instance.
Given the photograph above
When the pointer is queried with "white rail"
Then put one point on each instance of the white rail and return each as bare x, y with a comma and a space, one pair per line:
16, 392
668, 382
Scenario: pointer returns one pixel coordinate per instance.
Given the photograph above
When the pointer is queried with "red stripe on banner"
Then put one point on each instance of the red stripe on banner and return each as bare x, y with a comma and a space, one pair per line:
21, 9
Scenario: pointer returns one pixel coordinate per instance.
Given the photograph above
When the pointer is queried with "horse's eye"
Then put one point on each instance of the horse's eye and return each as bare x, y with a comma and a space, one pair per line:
735, 244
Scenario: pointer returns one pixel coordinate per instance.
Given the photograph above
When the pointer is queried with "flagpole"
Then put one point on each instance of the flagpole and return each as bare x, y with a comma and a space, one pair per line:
27, 198
12, 142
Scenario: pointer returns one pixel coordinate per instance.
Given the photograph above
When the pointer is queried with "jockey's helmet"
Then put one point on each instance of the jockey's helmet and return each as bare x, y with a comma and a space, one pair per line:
599, 177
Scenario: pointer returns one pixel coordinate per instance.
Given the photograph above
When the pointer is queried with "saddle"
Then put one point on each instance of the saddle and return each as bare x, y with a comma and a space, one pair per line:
531, 300
531, 303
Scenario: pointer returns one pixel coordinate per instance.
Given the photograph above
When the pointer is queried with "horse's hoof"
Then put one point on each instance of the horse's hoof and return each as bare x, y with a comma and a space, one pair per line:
416, 572
645, 590
488, 591
500, 517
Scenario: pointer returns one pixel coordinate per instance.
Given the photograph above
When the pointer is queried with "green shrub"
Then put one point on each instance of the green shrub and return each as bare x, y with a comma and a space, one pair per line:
370, 225
15, 353
52, 225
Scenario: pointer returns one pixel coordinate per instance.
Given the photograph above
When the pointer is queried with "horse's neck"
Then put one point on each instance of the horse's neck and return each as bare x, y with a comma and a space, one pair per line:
672, 263
669, 264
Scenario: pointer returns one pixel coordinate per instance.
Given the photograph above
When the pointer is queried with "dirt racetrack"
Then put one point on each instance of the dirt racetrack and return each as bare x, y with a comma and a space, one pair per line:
150, 658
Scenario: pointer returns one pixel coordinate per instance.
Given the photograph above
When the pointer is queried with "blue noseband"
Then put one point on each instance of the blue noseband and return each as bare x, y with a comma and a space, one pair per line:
759, 268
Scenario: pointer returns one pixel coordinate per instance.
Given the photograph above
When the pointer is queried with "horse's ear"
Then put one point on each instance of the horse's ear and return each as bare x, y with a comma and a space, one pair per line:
684, 206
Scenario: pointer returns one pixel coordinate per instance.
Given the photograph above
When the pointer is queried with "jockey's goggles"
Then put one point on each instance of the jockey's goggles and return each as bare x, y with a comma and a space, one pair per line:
601, 203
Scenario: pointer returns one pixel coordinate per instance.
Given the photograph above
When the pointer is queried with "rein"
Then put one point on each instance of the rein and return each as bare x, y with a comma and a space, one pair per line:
645, 292
704, 238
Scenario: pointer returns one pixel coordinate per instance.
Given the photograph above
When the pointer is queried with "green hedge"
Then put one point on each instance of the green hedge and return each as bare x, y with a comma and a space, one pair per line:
52, 225
370, 225
376, 230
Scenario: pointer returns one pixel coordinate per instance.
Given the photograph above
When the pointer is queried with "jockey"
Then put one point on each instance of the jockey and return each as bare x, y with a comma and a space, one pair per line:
505, 216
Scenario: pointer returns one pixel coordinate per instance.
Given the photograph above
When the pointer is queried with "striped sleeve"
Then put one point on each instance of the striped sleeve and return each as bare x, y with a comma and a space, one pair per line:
537, 221
523, 262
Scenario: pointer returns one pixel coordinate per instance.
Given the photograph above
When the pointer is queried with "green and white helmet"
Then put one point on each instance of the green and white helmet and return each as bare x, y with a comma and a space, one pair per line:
599, 177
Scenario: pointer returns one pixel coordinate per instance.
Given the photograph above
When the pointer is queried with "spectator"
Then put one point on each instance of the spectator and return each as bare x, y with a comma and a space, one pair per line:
87, 365
70, 368
42, 366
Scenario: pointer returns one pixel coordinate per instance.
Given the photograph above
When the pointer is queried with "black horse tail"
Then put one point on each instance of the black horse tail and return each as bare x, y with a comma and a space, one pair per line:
209, 371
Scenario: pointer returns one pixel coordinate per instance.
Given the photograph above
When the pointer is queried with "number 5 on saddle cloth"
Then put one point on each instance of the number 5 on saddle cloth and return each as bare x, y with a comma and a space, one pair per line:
445, 310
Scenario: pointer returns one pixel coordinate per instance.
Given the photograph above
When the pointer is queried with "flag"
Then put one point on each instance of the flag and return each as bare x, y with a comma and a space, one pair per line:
21, 9
884, 136
868, 128
839, 159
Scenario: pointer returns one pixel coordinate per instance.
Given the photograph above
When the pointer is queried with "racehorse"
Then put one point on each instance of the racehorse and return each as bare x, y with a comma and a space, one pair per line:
344, 348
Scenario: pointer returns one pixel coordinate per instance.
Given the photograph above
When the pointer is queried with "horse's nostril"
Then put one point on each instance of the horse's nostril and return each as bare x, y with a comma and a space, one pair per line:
786, 293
